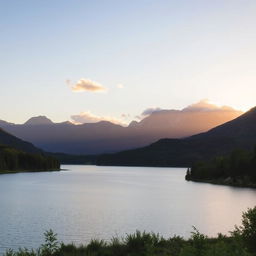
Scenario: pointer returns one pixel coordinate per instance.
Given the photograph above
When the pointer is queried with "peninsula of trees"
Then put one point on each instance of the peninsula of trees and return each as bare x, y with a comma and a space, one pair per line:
237, 169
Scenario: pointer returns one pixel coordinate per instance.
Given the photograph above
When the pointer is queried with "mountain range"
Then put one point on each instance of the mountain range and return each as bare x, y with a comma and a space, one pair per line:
106, 137
221, 140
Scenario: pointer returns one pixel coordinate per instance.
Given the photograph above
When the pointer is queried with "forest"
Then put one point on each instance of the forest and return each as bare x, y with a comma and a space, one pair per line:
237, 168
13, 160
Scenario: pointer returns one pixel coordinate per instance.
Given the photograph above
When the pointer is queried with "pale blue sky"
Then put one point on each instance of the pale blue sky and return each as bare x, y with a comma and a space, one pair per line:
166, 54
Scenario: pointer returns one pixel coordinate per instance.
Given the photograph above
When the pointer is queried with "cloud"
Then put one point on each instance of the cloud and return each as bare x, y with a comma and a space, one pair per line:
88, 117
125, 115
149, 111
87, 85
120, 86
202, 106
205, 105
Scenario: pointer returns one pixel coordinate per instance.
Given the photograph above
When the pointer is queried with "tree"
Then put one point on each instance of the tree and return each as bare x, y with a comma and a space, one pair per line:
248, 229
51, 245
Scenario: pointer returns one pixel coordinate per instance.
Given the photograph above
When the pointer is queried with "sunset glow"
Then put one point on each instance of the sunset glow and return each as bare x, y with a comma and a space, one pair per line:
128, 127
166, 54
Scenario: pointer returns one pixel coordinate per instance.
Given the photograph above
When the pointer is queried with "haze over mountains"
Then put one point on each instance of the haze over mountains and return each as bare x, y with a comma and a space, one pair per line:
239, 133
12, 141
106, 137
17, 155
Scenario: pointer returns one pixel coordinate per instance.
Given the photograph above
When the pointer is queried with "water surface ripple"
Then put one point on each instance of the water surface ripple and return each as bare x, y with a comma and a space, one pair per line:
101, 202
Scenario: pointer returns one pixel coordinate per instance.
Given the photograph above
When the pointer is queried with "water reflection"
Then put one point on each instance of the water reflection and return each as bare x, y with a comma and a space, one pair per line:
88, 202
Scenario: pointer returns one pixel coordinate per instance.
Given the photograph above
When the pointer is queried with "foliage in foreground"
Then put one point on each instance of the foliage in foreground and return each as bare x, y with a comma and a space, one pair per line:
241, 242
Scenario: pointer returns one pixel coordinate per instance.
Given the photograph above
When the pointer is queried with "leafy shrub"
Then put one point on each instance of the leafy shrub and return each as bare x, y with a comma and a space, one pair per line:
241, 242
247, 230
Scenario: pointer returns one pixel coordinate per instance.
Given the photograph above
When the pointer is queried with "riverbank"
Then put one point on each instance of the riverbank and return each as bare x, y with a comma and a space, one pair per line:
235, 169
30, 171
143, 244
241, 242
242, 182
14, 160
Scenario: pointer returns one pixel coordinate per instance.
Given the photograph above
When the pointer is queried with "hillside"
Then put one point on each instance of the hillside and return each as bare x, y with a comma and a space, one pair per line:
238, 133
19, 155
13, 160
106, 137
12, 141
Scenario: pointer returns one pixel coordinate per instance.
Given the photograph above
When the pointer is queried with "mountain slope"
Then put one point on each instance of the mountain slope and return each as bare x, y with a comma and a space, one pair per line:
106, 137
238, 133
12, 141
184, 123
18, 155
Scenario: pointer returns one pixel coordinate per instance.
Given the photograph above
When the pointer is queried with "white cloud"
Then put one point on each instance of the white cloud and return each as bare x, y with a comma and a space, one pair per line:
206, 105
148, 112
87, 85
202, 106
88, 117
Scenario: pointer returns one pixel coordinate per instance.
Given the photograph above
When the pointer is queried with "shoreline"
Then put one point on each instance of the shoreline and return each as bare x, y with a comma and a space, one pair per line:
225, 182
28, 171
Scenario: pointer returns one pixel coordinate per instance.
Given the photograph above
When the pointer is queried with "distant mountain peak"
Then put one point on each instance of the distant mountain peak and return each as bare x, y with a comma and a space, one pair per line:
108, 124
133, 124
4, 123
252, 111
39, 120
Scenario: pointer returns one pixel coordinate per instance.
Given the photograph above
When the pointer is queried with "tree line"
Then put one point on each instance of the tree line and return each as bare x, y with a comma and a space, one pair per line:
238, 166
12, 159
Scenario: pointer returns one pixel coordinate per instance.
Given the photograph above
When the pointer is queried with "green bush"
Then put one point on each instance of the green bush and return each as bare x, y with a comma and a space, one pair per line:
241, 242
247, 231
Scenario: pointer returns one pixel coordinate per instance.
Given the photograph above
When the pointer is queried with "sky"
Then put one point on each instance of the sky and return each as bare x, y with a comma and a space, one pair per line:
115, 59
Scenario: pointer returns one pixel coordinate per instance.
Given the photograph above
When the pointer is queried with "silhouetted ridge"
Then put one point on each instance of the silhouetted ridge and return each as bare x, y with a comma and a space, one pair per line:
242, 124
4, 123
19, 155
238, 133
39, 120
106, 137
133, 123
12, 141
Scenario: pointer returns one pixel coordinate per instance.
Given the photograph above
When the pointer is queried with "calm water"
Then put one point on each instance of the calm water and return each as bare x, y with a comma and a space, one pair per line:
100, 202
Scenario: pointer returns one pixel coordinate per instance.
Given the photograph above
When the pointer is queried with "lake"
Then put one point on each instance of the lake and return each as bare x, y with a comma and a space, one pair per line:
85, 202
